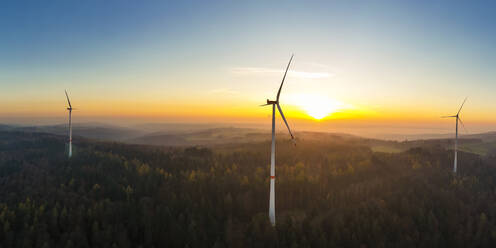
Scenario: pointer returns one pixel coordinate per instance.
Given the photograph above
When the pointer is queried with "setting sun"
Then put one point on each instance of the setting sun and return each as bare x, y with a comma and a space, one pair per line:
316, 106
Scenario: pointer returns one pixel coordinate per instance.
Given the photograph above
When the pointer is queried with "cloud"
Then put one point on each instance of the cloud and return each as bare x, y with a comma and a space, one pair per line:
299, 74
223, 91
311, 75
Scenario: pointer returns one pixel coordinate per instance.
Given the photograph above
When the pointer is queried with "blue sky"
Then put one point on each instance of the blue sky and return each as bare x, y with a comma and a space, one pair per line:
383, 56
44, 33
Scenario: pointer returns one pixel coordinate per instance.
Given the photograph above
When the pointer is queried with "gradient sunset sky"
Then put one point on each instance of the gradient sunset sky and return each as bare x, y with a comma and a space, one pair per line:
359, 64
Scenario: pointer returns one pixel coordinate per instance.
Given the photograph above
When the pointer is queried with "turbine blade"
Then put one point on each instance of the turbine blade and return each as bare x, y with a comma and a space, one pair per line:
68, 99
284, 118
450, 116
462, 106
463, 125
283, 78
264, 105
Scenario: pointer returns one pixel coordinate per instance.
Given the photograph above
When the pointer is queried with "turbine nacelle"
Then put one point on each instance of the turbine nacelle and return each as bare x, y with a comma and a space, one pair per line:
269, 102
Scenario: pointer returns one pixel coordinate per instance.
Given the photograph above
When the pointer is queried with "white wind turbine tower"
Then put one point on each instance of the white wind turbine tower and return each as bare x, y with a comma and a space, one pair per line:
457, 116
272, 201
70, 124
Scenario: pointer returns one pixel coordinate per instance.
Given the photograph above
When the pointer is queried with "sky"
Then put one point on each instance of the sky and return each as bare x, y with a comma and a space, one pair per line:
359, 66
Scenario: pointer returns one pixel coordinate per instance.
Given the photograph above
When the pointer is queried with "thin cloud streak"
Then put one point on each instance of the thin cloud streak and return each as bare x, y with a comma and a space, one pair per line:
299, 74
223, 91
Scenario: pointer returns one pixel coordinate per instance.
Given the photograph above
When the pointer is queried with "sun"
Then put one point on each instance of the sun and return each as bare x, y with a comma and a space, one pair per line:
316, 106
318, 112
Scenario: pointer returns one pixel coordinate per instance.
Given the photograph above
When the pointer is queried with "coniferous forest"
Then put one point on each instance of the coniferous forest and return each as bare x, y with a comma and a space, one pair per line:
329, 193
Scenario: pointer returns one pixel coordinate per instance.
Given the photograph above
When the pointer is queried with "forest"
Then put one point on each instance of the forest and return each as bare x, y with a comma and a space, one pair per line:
329, 193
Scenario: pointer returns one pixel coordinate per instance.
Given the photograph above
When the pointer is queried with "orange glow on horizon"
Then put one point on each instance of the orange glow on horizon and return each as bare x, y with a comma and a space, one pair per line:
309, 109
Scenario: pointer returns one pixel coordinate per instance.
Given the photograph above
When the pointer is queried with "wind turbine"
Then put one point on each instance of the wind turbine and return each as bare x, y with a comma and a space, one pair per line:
70, 124
457, 116
272, 201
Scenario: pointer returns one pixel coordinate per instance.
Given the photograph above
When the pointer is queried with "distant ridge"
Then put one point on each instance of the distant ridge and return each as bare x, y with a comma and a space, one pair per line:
88, 130
209, 135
